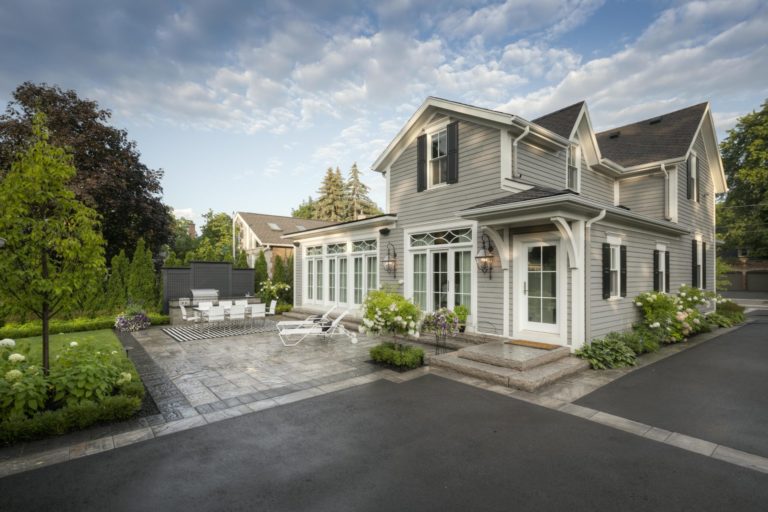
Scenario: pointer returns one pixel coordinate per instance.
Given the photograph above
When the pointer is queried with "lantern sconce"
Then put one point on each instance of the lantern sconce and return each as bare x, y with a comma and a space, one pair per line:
484, 258
390, 264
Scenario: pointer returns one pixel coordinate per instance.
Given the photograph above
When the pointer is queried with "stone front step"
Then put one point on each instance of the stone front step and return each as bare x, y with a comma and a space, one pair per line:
508, 355
528, 380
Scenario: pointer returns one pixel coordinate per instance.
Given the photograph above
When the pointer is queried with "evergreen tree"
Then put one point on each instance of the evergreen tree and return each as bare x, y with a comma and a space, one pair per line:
332, 203
241, 261
117, 286
358, 202
278, 270
142, 283
289, 279
172, 260
261, 273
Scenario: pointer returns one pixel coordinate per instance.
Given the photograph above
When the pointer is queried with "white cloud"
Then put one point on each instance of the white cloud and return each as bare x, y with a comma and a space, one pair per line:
184, 213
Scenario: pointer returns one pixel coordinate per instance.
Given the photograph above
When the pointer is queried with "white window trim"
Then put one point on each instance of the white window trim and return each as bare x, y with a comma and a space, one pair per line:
574, 149
662, 266
430, 131
615, 242
694, 158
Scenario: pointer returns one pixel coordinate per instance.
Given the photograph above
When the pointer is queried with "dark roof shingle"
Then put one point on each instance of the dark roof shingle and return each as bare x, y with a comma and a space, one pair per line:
652, 140
536, 192
561, 121
260, 225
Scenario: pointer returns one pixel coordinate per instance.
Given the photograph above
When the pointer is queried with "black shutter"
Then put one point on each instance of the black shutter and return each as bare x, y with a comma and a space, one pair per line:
421, 163
623, 251
694, 259
606, 271
657, 284
703, 264
698, 181
453, 152
666, 272
689, 178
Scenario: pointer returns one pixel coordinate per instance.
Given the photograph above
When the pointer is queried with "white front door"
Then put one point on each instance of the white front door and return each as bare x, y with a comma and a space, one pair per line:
539, 289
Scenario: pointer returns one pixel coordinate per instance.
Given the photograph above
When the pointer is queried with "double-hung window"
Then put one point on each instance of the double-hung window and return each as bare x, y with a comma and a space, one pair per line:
699, 265
615, 271
693, 177
438, 158
573, 180
661, 269
614, 268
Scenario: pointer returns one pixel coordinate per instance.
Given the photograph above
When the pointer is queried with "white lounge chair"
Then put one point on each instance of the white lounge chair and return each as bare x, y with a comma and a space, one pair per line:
292, 336
312, 319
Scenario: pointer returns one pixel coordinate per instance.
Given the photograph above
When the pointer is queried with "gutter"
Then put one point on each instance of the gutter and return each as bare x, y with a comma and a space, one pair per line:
587, 275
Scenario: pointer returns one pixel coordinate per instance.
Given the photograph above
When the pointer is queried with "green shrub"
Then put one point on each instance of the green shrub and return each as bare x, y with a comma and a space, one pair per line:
283, 308
719, 320
79, 375
610, 352
731, 311
462, 312
30, 329
390, 312
401, 356
69, 418
640, 339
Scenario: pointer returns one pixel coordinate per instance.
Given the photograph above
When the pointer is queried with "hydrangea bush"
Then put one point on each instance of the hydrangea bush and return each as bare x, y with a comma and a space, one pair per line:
675, 317
23, 388
272, 291
388, 312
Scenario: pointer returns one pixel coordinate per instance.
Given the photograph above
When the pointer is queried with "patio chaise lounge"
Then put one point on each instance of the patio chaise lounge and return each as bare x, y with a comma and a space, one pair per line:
291, 336
307, 322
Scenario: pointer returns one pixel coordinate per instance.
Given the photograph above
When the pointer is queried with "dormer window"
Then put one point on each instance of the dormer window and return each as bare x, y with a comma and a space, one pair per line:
573, 179
438, 158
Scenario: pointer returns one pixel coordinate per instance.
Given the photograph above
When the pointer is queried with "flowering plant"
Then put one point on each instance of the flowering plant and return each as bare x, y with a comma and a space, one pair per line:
442, 322
137, 322
23, 389
675, 317
272, 291
390, 312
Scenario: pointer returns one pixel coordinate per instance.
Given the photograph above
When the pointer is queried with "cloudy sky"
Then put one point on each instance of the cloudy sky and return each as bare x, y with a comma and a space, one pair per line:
244, 104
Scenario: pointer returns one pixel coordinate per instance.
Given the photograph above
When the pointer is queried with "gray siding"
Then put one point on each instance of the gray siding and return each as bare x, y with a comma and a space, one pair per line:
539, 167
594, 185
644, 195
490, 299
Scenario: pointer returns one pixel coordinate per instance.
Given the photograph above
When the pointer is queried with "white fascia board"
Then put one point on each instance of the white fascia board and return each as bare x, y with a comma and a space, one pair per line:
584, 117
374, 222
253, 233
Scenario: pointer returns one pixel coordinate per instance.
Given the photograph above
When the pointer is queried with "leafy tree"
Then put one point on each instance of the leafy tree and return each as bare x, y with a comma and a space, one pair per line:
241, 261
358, 203
117, 286
332, 203
261, 272
110, 176
215, 242
54, 250
172, 260
142, 281
306, 209
743, 216
183, 241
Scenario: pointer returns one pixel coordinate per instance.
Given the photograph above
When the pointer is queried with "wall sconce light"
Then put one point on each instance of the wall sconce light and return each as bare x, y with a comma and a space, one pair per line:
390, 264
484, 258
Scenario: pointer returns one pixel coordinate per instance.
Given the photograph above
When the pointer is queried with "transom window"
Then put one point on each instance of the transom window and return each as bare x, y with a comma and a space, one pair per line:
314, 251
336, 249
454, 236
364, 245
438, 158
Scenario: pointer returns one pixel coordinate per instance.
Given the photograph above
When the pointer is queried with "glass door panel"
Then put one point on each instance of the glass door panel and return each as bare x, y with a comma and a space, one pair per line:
541, 285
343, 280
332, 280
439, 280
420, 281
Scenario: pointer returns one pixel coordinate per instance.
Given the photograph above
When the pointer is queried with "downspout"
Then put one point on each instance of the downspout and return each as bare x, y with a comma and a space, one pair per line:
588, 275
514, 150
234, 216
667, 213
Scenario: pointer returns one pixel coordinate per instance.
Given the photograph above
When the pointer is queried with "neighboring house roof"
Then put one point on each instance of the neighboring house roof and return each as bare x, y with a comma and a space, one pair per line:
269, 229
383, 219
561, 121
536, 192
657, 139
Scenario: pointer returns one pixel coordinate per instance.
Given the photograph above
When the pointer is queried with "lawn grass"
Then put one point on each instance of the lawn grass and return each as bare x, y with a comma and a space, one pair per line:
104, 340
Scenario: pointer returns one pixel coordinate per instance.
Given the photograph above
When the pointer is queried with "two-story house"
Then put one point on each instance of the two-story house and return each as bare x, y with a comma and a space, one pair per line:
545, 229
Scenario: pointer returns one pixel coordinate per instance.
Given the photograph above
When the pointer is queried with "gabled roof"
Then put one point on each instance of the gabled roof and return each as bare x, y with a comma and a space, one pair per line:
536, 192
264, 226
561, 121
656, 139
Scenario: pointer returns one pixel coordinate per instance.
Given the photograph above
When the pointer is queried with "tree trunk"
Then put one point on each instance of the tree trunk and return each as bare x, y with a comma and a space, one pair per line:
46, 314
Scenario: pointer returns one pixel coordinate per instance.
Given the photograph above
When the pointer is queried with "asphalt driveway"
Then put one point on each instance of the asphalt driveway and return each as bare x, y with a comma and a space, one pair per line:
717, 391
427, 444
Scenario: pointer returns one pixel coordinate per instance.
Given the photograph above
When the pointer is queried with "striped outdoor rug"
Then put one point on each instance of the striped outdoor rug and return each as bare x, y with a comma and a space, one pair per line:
202, 332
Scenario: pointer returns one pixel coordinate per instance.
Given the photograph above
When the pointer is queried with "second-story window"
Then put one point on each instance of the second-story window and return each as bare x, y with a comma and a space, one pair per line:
574, 168
693, 177
438, 158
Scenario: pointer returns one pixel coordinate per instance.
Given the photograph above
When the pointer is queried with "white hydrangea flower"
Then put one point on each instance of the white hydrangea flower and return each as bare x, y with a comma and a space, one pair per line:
7, 343
125, 377
639, 304
13, 375
655, 325
361, 329
16, 358
72, 344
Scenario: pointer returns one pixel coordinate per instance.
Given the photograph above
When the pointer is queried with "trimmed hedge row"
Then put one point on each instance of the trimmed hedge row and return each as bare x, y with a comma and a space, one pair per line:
29, 329
69, 418
401, 356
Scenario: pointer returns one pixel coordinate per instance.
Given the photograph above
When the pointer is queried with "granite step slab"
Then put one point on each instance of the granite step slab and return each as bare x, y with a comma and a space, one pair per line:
500, 353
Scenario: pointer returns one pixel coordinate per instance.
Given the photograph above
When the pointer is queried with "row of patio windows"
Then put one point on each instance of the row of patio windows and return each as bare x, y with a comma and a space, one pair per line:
329, 279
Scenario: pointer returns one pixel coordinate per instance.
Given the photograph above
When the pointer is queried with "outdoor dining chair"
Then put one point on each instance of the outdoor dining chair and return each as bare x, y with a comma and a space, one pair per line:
257, 311
237, 314
214, 315
241, 302
194, 318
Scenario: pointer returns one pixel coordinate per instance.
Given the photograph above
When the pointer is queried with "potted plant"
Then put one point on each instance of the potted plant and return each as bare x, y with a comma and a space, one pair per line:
462, 312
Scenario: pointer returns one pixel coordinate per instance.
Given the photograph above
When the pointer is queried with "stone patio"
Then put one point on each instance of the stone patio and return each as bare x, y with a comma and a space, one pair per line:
216, 374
